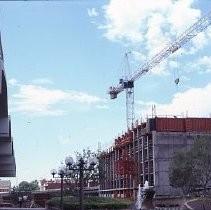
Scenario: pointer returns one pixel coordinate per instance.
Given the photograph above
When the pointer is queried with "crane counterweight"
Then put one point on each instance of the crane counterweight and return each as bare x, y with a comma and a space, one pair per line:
113, 95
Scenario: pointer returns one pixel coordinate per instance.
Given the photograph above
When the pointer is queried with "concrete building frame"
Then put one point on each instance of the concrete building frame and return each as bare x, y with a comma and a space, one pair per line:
7, 157
144, 154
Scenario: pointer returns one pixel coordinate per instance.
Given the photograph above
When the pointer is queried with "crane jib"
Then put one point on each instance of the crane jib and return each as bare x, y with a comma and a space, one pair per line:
171, 48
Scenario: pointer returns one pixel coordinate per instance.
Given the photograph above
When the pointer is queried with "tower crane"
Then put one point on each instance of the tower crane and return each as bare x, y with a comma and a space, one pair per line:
127, 84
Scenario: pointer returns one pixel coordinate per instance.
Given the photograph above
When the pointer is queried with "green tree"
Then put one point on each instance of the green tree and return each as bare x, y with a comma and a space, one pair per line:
182, 172
90, 176
191, 170
202, 156
24, 189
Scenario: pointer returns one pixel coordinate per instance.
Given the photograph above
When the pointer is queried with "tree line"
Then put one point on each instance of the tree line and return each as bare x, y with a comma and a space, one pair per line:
191, 170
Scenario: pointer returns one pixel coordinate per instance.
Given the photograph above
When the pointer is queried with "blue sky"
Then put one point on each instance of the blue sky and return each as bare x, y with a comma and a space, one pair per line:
62, 56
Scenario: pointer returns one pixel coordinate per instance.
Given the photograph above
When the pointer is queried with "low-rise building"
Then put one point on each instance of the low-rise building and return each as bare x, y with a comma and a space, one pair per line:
5, 186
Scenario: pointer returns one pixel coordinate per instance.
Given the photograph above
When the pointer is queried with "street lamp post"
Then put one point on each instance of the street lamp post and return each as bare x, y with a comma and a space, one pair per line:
81, 166
81, 178
62, 172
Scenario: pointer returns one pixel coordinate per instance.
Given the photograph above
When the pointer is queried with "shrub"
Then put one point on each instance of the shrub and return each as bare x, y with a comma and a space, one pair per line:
94, 202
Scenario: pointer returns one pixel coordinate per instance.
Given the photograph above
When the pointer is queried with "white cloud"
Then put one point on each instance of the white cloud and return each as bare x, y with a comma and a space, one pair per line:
208, 32
102, 106
205, 64
174, 64
138, 56
82, 97
12, 82
121, 22
198, 43
151, 25
181, 15
140, 21
195, 101
38, 100
201, 65
92, 12
42, 81
64, 140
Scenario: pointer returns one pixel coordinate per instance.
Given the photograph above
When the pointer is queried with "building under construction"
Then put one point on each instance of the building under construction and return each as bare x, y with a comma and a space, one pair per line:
144, 154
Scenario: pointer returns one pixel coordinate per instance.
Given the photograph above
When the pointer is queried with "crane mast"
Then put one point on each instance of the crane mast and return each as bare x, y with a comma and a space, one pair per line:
128, 83
129, 89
